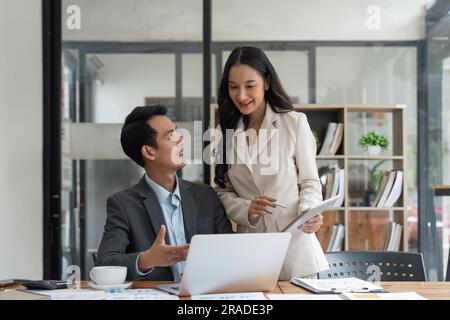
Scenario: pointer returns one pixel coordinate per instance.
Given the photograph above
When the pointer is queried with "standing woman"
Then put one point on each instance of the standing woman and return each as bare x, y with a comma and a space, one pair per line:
253, 103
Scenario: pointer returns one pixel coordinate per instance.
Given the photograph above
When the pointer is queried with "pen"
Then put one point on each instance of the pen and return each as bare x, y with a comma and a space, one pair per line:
279, 204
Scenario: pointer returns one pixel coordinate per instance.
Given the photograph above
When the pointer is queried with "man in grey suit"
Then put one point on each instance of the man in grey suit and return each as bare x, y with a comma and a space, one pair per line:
149, 226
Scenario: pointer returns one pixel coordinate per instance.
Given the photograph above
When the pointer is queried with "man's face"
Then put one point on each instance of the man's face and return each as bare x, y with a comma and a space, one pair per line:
169, 153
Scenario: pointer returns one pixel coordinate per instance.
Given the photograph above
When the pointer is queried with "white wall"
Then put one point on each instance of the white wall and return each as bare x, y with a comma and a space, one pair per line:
243, 20
127, 79
21, 225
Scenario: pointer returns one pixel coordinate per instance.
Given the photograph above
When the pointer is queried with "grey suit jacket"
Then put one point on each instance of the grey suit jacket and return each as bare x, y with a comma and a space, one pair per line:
134, 218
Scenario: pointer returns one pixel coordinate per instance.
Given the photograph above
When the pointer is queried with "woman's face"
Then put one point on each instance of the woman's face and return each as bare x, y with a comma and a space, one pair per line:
246, 88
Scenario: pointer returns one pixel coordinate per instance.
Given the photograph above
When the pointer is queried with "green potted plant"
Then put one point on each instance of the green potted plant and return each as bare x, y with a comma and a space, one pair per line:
373, 143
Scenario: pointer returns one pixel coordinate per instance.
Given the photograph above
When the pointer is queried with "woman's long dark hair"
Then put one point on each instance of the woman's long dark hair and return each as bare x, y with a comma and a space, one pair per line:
229, 114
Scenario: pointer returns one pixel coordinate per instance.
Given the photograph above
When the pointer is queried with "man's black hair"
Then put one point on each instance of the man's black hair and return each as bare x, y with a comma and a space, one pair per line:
137, 132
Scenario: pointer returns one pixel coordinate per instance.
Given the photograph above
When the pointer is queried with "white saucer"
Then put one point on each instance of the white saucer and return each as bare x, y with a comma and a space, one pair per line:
110, 287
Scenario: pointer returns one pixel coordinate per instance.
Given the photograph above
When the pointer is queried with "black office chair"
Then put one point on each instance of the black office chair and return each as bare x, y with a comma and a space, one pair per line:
393, 266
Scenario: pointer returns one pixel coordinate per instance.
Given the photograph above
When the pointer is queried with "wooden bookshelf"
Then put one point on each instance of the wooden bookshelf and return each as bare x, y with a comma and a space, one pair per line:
364, 225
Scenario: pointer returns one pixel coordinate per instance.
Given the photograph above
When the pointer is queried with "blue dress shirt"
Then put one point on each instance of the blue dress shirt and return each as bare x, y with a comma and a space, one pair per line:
170, 203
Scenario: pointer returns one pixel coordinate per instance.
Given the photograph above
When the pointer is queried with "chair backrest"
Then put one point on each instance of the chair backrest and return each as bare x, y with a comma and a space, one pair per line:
393, 266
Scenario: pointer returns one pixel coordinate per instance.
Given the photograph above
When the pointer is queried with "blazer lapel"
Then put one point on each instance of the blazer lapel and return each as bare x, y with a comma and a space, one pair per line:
239, 145
266, 132
153, 208
188, 206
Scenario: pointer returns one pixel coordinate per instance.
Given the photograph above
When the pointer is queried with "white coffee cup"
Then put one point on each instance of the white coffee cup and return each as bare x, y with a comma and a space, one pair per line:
108, 275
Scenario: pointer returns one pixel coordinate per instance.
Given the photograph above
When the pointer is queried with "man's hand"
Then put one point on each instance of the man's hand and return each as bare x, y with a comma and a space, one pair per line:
313, 224
160, 254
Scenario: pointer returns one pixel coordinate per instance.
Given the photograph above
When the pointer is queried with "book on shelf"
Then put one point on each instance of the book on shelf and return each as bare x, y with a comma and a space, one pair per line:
389, 189
336, 238
335, 189
341, 189
333, 184
386, 236
396, 190
329, 184
333, 138
392, 237
396, 241
337, 139
331, 238
338, 244
381, 187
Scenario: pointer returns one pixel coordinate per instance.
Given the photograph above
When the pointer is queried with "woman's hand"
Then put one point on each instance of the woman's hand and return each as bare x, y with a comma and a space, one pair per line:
313, 224
260, 206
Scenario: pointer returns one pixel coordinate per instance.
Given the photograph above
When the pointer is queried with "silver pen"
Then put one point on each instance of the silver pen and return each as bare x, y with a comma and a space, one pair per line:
280, 205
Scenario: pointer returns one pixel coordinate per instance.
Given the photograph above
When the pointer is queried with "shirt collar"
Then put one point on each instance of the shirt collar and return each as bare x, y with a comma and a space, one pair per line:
162, 194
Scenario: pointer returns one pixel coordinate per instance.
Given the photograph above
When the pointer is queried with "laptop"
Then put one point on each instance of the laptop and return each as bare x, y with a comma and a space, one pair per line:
226, 263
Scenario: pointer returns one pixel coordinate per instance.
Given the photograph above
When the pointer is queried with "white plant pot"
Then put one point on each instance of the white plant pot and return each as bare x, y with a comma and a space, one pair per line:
374, 151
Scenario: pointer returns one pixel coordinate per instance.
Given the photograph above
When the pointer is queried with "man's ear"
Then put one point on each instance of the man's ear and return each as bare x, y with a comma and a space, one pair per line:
148, 152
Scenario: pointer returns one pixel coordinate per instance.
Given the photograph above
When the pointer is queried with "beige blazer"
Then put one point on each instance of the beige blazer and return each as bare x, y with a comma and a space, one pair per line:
282, 165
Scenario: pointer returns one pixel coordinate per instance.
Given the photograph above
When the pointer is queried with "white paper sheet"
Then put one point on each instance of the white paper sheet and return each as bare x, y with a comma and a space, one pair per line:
231, 296
384, 296
73, 294
89, 294
141, 294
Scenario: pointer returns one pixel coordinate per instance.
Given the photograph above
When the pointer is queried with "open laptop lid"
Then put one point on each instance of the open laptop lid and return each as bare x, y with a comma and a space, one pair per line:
223, 263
